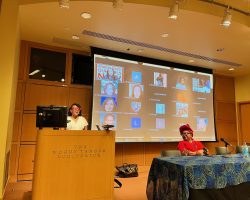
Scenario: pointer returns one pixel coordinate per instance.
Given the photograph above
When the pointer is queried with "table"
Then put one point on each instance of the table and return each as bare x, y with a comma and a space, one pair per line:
172, 177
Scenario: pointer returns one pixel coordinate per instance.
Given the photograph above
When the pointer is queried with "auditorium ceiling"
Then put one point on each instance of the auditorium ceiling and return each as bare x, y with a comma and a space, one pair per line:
195, 38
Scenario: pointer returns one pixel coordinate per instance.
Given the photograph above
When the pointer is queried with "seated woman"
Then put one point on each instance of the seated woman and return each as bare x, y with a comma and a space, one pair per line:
190, 147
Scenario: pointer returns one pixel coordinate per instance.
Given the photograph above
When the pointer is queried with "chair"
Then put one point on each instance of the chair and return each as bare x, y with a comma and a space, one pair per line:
170, 153
239, 149
221, 150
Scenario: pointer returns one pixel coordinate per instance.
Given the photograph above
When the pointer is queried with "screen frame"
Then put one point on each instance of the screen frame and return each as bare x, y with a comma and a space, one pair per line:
115, 54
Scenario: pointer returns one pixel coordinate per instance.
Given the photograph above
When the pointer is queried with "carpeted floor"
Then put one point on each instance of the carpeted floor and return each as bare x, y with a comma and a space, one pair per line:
132, 188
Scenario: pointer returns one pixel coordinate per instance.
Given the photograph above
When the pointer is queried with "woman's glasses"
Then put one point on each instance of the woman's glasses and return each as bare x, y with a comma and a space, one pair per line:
185, 133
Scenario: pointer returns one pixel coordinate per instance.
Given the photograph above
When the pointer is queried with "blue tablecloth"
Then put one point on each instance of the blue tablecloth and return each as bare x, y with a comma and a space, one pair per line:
171, 177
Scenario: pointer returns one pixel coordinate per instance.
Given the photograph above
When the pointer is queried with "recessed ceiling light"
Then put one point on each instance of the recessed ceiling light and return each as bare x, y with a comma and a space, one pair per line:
86, 15
43, 75
231, 69
75, 37
191, 61
164, 35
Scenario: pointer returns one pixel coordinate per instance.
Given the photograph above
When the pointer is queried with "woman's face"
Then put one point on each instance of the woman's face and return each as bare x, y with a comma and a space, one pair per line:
75, 111
109, 89
109, 119
137, 92
109, 105
110, 72
187, 135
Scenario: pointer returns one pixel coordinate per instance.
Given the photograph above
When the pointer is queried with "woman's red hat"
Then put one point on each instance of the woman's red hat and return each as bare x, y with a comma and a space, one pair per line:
185, 127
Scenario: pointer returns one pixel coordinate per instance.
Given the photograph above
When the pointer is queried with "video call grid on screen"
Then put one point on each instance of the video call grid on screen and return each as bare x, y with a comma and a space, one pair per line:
148, 102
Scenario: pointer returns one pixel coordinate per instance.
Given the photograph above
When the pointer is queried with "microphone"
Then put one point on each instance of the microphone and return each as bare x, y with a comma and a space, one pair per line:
98, 127
226, 143
108, 126
205, 151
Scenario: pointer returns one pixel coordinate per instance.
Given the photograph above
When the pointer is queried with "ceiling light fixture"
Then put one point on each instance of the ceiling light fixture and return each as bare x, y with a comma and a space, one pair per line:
173, 12
164, 35
34, 72
64, 3
86, 15
231, 69
75, 37
118, 4
226, 20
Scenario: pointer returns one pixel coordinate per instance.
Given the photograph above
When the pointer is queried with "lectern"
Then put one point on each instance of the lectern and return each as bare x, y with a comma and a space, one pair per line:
74, 165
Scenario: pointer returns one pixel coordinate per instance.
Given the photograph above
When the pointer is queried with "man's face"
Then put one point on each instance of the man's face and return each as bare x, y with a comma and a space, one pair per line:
109, 120
109, 106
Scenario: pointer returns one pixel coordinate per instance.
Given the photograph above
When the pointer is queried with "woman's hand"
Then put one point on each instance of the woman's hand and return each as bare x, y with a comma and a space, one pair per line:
192, 153
200, 152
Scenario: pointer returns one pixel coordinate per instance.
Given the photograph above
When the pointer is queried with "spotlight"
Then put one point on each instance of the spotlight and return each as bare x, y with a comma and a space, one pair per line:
118, 4
173, 12
64, 3
226, 20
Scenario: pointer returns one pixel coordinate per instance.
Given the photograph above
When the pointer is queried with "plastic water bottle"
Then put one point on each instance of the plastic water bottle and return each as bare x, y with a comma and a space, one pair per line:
245, 153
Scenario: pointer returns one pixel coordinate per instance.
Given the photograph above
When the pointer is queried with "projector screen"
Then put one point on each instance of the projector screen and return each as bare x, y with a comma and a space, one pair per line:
148, 101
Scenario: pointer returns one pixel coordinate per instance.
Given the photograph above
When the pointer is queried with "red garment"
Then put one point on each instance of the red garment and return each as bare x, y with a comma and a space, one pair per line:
194, 146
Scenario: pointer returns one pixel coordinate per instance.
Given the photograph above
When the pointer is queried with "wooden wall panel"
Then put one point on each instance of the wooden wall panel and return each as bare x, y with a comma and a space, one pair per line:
153, 150
19, 96
224, 88
29, 130
23, 61
244, 111
24, 177
226, 130
26, 159
83, 96
44, 95
13, 159
17, 126
226, 111
118, 154
133, 153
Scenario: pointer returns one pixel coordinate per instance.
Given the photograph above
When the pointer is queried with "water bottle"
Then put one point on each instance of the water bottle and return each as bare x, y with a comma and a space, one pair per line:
245, 153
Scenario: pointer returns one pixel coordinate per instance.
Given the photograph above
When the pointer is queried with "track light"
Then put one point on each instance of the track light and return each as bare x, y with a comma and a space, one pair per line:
173, 12
226, 20
64, 3
118, 4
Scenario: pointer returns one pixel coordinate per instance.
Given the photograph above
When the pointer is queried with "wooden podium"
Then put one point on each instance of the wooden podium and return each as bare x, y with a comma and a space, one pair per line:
74, 165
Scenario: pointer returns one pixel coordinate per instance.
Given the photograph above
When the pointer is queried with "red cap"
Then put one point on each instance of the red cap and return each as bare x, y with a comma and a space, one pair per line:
185, 127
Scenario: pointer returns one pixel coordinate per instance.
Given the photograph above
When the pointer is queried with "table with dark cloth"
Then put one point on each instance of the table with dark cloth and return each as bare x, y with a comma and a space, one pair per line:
172, 178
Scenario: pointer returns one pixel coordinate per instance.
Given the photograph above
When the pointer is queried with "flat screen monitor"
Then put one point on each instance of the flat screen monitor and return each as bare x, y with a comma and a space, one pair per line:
147, 100
51, 116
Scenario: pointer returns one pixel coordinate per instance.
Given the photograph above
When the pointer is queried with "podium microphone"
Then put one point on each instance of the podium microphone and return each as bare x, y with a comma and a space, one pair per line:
226, 143
108, 126
98, 127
